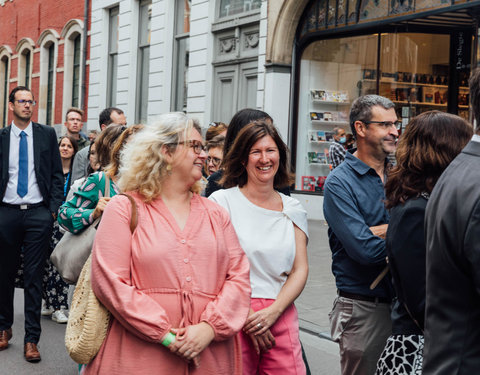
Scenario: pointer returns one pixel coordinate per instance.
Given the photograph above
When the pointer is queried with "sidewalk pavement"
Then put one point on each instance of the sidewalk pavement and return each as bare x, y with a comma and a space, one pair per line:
316, 300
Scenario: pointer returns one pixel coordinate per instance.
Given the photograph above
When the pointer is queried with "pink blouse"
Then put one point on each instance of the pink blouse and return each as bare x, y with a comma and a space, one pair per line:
162, 277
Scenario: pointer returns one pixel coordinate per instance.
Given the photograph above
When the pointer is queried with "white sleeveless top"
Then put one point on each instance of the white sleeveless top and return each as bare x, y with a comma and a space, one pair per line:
266, 236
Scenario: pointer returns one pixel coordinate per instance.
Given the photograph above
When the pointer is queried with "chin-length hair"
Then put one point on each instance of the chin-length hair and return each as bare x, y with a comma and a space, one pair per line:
427, 146
236, 160
143, 167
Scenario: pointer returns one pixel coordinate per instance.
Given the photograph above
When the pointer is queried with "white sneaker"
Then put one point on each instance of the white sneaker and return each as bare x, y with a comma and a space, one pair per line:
59, 316
45, 311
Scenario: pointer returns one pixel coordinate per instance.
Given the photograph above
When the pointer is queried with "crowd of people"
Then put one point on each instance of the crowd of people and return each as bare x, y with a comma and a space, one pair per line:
206, 280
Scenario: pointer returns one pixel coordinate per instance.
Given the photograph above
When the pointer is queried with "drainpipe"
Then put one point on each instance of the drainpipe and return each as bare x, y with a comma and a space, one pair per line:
84, 57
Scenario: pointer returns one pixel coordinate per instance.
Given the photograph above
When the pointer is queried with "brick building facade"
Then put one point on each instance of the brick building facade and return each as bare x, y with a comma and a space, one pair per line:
42, 46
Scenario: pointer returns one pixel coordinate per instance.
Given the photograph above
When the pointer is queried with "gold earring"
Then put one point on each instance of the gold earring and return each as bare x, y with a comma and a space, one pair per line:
169, 169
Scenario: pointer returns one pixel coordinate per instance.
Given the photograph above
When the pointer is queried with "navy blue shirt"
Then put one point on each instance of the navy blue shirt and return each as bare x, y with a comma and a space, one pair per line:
354, 201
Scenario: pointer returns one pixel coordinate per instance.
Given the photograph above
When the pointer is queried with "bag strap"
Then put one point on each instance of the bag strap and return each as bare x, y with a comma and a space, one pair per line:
134, 217
107, 185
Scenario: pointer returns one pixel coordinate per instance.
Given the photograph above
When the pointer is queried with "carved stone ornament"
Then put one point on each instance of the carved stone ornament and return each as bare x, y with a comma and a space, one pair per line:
2, 2
227, 45
251, 40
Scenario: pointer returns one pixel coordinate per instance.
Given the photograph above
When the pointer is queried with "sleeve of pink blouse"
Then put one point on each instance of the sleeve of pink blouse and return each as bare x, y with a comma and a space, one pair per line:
228, 312
111, 277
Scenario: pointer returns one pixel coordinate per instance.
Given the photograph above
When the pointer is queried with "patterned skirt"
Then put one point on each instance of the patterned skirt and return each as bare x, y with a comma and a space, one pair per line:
403, 355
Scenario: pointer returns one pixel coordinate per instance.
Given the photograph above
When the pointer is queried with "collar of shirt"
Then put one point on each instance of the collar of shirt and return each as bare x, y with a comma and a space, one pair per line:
360, 167
16, 130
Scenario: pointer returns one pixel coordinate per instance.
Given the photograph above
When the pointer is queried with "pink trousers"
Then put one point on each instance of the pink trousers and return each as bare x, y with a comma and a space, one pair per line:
286, 356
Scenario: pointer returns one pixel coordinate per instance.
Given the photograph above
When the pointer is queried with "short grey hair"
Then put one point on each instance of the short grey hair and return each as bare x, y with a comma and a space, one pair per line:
362, 108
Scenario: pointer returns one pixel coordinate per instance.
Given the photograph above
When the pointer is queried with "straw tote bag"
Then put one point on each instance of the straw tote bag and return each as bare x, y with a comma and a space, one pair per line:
88, 319
72, 250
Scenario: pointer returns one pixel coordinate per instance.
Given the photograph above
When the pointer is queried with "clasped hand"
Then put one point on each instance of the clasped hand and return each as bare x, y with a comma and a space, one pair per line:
191, 341
258, 326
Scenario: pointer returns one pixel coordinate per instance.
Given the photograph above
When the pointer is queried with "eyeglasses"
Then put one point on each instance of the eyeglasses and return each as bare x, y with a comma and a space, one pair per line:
386, 124
23, 102
215, 161
197, 146
214, 124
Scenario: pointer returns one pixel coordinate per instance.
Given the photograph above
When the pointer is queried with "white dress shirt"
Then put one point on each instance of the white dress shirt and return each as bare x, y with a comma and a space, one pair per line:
33, 195
266, 236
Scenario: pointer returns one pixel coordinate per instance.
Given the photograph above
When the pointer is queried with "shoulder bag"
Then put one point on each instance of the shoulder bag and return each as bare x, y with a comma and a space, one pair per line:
72, 250
89, 320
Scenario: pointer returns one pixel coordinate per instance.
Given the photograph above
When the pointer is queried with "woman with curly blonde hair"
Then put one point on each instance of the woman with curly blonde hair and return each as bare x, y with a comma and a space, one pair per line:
178, 287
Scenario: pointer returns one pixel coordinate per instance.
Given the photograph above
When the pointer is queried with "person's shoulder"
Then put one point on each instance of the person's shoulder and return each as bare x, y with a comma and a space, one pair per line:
213, 207
46, 128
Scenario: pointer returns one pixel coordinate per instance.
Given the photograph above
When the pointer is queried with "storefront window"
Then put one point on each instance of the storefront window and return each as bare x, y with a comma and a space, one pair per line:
329, 73
414, 70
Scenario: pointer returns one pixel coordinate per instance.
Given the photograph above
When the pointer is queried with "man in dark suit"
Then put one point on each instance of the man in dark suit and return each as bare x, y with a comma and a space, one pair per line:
31, 190
452, 225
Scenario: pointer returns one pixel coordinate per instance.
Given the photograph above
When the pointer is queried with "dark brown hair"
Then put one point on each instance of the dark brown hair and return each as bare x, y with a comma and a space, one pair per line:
428, 145
74, 143
215, 129
104, 143
114, 166
235, 161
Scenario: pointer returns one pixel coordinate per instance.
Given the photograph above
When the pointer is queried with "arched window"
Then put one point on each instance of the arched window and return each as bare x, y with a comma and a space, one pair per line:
25, 62
73, 51
5, 58
48, 42
76, 72
50, 82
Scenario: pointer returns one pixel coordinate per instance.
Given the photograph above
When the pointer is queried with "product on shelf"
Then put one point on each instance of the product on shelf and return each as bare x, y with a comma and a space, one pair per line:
308, 183
329, 96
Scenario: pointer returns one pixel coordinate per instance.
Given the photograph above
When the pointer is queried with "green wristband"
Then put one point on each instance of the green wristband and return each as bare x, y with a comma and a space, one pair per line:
169, 338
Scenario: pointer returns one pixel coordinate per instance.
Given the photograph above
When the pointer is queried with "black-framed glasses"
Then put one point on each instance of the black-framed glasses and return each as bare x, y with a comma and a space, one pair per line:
23, 102
197, 146
386, 124
215, 161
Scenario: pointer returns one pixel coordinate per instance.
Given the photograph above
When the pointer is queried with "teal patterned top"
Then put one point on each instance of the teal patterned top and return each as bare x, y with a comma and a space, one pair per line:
77, 213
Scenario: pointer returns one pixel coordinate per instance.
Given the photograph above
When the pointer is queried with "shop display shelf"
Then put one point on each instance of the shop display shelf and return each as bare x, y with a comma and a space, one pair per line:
420, 103
320, 122
412, 84
329, 102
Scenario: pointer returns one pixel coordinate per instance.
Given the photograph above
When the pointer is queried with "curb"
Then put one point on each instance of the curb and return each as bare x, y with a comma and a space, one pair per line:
313, 329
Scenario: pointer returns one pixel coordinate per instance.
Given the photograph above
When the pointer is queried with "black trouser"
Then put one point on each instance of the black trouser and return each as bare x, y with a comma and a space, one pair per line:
28, 230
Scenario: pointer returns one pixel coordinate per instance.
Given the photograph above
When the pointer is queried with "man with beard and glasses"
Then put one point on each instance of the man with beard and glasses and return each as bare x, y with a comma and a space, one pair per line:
31, 190
355, 211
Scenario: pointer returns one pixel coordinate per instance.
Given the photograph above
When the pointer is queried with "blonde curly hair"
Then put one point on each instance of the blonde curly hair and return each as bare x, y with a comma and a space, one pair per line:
143, 167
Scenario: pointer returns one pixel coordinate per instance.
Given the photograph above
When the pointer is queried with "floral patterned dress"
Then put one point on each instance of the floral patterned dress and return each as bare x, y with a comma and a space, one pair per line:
77, 213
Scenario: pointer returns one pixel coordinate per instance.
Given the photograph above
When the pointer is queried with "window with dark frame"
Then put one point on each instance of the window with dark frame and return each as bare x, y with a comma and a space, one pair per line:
143, 62
182, 34
51, 60
4, 63
76, 72
112, 57
27, 68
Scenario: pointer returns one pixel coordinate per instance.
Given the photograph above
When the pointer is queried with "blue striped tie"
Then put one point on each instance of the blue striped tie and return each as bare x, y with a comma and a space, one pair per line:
22, 185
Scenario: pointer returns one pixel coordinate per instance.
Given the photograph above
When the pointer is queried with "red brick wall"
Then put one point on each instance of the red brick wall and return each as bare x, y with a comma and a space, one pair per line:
28, 19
